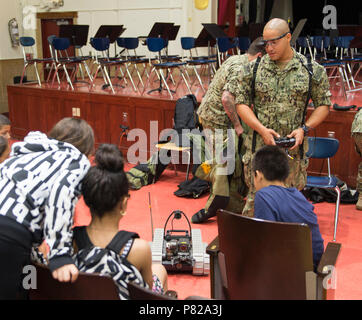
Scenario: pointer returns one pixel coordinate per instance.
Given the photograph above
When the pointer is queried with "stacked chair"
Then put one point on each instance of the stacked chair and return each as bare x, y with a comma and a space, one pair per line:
103, 63
27, 44
156, 45
188, 43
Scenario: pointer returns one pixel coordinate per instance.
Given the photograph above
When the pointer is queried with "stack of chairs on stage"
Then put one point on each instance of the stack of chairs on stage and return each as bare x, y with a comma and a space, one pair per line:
123, 68
115, 60
338, 56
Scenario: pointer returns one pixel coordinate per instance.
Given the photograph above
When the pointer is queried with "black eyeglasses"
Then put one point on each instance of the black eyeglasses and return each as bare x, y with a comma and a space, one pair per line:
272, 42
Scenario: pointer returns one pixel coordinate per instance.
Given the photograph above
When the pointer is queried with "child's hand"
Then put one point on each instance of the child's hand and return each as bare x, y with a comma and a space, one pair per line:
66, 273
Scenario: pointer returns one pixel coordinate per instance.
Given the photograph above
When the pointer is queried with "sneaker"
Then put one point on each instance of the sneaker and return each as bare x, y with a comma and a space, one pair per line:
201, 216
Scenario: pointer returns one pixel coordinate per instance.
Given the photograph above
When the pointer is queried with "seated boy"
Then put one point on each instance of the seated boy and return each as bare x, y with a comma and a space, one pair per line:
275, 202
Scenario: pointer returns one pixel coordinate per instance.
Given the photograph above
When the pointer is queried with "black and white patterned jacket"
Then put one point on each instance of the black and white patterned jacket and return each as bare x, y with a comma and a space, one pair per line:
39, 187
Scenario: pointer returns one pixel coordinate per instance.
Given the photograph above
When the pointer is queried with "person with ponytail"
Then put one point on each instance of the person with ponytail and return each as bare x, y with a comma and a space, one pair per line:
101, 247
39, 187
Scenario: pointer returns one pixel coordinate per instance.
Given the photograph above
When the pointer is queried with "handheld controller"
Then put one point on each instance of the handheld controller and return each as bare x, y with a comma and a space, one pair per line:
284, 142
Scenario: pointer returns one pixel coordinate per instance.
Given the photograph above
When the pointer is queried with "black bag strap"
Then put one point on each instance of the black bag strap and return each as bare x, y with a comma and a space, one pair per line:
120, 240
309, 68
255, 69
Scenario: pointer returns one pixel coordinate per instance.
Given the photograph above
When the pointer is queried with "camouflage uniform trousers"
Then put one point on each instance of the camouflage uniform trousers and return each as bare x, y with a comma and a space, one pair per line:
297, 178
357, 136
223, 184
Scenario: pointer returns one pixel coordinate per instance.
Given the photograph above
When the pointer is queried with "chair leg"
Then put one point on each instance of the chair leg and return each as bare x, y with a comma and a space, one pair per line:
37, 74
67, 76
108, 79
22, 75
165, 83
336, 211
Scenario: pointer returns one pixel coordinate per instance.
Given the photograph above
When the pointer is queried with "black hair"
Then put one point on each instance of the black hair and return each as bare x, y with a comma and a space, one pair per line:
4, 121
257, 46
105, 184
4, 143
272, 161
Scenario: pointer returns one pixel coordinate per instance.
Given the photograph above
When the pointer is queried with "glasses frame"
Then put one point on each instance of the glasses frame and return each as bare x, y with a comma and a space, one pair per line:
266, 42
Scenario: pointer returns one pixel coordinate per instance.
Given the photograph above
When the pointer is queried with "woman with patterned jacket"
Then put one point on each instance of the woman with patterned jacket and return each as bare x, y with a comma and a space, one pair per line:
101, 247
39, 187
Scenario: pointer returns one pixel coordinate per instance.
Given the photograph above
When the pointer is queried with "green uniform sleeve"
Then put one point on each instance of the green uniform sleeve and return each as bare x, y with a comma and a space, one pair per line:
320, 87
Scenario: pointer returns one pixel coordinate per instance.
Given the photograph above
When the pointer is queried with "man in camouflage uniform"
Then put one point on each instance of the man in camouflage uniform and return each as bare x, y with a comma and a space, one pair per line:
217, 114
356, 132
280, 94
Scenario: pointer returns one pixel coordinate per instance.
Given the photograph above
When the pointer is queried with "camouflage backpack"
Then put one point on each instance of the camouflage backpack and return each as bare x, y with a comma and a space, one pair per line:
146, 173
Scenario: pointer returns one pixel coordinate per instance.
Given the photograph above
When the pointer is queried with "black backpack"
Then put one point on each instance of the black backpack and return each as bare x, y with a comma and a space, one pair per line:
185, 117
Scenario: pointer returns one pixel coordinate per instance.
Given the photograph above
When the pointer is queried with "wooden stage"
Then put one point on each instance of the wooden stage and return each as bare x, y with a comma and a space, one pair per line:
32, 107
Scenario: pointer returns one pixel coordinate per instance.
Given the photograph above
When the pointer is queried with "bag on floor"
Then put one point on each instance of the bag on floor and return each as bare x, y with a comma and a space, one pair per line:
193, 188
316, 195
147, 173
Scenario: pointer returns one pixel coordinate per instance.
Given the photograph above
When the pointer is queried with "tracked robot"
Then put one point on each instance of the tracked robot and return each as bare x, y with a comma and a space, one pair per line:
180, 250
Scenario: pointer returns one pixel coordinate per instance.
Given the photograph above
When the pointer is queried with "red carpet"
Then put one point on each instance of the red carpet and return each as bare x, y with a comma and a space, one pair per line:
163, 202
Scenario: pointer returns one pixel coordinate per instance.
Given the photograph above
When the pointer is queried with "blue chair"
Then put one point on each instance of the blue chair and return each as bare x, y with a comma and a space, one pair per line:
62, 59
132, 44
52, 54
101, 45
188, 43
27, 44
324, 148
157, 45
304, 44
243, 44
223, 45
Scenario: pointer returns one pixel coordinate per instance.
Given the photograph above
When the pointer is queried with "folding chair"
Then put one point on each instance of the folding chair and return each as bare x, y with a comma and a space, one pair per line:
27, 44
254, 259
157, 45
324, 148
171, 146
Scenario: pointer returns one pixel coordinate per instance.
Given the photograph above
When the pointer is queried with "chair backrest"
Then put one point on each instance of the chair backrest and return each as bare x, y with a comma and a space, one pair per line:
86, 287
100, 44
244, 43
137, 292
224, 44
155, 44
27, 41
61, 43
187, 43
131, 43
263, 259
321, 148
120, 42
318, 42
302, 42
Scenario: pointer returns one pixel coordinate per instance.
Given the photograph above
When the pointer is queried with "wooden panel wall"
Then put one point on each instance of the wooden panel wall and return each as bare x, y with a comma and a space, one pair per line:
39, 109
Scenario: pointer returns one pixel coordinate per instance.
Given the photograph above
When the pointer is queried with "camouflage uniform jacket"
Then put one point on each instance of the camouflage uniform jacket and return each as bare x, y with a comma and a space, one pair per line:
211, 108
357, 123
280, 95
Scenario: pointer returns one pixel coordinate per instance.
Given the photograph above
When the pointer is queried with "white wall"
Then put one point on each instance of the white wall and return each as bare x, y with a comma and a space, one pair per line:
138, 16
9, 9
